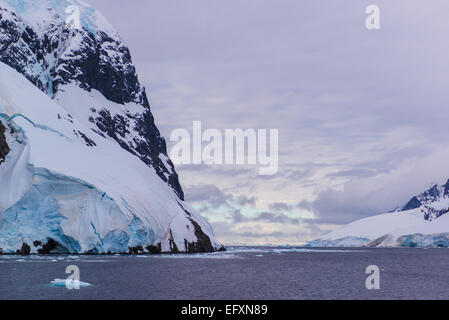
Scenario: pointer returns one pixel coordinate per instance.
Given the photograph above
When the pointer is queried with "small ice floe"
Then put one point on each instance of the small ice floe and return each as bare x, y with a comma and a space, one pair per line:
69, 283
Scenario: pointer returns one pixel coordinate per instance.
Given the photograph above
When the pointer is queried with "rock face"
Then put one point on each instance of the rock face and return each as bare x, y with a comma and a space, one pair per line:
425, 202
72, 180
4, 148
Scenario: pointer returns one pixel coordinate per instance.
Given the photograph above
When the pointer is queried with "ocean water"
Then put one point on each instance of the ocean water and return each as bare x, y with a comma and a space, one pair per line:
240, 273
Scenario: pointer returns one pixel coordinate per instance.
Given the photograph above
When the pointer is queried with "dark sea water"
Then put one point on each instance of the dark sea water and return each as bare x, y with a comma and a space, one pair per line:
240, 273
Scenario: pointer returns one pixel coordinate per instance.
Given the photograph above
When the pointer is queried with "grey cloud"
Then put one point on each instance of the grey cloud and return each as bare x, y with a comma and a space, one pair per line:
280, 206
268, 217
350, 104
297, 174
209, 196
275, 218
262, 235
207, 192
238, 216
243, 200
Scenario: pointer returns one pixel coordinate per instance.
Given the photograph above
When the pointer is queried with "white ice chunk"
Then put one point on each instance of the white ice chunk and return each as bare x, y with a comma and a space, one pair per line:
69, 283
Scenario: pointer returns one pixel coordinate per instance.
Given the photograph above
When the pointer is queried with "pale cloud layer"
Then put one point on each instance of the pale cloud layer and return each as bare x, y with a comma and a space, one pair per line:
362, 115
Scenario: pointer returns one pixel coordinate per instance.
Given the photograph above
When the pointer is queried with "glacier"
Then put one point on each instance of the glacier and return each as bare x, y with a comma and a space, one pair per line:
83, 168
423, 222
349, 241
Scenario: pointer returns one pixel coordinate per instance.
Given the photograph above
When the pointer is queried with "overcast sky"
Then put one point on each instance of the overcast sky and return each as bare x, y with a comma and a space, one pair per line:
362, 115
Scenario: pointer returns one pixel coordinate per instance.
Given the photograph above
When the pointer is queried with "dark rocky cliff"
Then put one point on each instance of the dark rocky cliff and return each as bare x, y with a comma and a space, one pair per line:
4, 148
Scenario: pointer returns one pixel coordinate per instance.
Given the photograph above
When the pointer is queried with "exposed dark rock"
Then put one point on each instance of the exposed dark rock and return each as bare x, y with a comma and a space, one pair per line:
52, 247
37, 244
203, 243
173, 246
412, 204
4, 148
25, 250
426, 198
432, 213
135, 250
89, 142
154, 249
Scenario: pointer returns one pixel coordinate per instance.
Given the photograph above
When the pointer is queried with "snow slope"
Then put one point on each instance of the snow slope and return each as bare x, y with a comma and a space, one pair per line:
86, 171
88, 70
425, 225
97, 197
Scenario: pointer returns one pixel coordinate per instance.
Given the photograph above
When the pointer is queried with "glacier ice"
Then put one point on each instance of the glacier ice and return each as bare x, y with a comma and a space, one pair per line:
341, 242
77, 216
69, 283
424, 240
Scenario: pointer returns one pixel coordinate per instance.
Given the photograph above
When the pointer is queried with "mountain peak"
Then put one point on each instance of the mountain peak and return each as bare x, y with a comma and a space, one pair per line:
36, 42
43, 12
433, 202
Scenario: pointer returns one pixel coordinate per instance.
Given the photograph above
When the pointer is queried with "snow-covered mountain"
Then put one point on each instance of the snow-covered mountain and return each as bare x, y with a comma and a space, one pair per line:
83, 167
422, 222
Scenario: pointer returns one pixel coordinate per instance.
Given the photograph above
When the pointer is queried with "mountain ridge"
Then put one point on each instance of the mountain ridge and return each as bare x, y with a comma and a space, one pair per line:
52, 55
422, 222
87, 170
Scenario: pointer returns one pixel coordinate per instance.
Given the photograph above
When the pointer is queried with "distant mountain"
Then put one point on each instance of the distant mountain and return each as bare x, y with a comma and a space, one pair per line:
428, 201
421, 222
83, 167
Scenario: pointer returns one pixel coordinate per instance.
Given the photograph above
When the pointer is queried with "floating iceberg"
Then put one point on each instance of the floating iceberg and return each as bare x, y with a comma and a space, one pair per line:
69, 283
